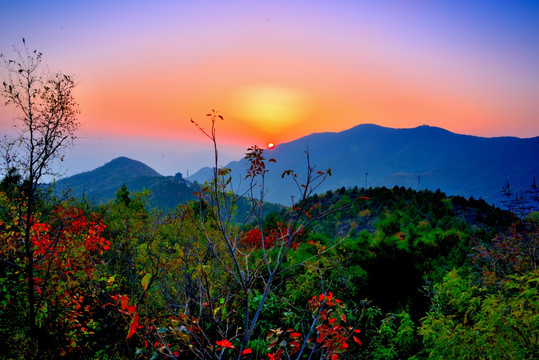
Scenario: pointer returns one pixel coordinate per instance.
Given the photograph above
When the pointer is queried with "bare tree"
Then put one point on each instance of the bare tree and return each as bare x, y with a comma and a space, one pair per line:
245, 269
48, 112
45, 126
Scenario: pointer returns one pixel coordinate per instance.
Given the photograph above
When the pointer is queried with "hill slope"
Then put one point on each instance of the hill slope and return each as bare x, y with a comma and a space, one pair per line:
101, 184
424, 157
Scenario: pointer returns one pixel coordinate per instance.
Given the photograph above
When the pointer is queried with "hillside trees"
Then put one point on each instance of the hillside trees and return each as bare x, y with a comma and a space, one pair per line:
490, 310
207, 287
177, 298
45, 124
66, 243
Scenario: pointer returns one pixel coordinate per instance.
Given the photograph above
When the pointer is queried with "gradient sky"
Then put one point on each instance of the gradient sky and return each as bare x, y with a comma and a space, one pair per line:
279, 70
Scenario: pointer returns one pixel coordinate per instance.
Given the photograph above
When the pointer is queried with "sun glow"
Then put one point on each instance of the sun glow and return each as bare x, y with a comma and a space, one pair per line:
270, 108
271, 145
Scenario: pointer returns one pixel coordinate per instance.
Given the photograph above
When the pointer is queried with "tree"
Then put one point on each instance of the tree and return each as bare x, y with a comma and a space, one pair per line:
45, 126
48, 112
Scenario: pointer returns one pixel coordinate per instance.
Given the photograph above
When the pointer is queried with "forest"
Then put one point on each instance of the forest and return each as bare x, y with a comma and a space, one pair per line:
352, 273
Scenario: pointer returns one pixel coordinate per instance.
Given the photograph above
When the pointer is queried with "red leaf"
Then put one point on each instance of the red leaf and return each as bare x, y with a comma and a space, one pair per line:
133, 326
131, 309
247, 351
225, 343
124, 301
357, 340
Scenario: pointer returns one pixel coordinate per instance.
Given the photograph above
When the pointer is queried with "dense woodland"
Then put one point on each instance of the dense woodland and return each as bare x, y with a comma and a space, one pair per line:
370, 273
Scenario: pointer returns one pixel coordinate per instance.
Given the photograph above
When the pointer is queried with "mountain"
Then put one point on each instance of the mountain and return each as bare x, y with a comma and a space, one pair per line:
424, 157
101, 184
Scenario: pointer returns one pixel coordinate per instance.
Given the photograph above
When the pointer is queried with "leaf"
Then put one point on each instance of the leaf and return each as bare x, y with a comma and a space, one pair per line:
357, 340
247, 351
146, 281
124, 301
131, 309
287, 172
133, 326
225, 344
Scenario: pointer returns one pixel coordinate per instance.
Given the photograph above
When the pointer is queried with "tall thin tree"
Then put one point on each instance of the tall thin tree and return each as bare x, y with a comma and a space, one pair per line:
47, 118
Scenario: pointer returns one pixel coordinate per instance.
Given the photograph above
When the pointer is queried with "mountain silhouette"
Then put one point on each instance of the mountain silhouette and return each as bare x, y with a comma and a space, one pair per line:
424, 157
101, 184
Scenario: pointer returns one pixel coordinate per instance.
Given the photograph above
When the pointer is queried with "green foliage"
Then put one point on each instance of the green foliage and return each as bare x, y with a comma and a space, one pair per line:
472, 322
395, 339
492, 313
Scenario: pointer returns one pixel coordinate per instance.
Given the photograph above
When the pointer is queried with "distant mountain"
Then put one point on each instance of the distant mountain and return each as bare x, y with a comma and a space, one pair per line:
101, 184
424, 157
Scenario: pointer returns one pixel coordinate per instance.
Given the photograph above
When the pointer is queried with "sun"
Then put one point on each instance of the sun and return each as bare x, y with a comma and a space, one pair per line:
270, 108
271, 145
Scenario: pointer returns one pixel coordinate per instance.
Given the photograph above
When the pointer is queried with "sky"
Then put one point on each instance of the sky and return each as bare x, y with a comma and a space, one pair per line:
277, 71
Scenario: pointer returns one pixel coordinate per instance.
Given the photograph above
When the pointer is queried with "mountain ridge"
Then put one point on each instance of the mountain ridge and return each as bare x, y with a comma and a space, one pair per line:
366, 155
431, 157
101, 184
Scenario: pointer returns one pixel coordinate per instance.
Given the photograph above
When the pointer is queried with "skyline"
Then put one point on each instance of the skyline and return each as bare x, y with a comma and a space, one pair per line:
279, 71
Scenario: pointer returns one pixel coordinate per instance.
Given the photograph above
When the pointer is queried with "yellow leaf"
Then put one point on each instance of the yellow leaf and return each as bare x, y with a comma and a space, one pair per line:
146, 281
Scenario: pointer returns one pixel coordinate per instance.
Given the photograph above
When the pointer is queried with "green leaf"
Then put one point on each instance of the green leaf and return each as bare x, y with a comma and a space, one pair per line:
146, 281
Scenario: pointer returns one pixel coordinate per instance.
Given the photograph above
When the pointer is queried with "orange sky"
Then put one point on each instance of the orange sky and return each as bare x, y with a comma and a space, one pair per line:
279, 70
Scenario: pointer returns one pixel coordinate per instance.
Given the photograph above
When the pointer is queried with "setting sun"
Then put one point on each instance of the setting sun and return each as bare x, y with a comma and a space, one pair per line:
270, 108
271, 145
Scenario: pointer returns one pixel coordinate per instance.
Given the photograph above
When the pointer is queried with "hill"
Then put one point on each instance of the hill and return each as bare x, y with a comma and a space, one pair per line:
424, 157
101, 184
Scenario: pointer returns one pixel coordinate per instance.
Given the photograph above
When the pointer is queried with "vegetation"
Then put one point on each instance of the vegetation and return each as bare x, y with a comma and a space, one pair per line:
386, 273
46, 126
352, 273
